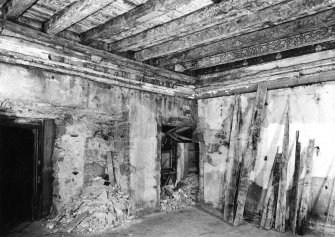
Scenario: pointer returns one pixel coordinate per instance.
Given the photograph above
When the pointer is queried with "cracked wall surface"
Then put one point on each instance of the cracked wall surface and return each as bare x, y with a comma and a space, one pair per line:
93, 119
311, 111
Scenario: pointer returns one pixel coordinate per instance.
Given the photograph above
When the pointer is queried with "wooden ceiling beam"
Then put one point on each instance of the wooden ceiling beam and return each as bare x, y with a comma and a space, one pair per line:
211, 15
74, 13
142, 17
279, 13
286, 73
14, 8
302, 32
195, 58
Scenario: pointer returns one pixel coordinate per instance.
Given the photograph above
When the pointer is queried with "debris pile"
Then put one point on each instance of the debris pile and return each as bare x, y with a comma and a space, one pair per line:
98, 208
184, 194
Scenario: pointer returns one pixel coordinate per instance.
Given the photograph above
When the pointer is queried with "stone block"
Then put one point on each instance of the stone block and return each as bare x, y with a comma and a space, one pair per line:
93, 169
91, 155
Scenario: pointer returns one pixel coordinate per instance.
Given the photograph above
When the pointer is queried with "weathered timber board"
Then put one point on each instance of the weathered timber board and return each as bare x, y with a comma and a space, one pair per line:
143, 17
270, 201
14, 8
202, 155
249, 158
232, 167
73, 14
331, 206
276, 14
199, 20
296, 175
306, 190
227, 124
300, 40
304, 70
47, 8
282, 189
277, 32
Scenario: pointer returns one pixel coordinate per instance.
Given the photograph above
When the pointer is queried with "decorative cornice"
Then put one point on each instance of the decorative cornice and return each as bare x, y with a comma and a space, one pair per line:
276, 46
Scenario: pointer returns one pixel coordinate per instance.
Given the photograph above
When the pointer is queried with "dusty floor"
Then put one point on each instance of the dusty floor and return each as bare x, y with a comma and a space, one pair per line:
189, 222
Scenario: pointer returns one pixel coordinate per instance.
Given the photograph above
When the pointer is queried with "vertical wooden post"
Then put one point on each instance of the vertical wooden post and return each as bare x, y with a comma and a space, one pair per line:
249, 158
202, 148
227, 127
296, 175
331, 206
281, 204
49, 134
269, 204
306, 191
232, 166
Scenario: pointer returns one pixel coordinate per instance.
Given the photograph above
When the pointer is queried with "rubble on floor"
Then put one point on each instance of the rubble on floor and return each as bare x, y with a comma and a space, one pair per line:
100, 207
184, 194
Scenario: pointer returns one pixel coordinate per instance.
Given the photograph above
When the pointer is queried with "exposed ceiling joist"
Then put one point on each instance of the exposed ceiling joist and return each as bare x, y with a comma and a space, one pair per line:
298, 33
14, 8
279, 13
73, 14
142, 17
194, 58
209, 16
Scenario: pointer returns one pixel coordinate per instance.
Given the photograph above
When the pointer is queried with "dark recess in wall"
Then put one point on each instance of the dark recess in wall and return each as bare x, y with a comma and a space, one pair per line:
16, 175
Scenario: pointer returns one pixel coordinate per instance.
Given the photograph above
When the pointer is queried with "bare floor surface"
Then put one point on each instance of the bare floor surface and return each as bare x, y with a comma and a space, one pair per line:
188, 222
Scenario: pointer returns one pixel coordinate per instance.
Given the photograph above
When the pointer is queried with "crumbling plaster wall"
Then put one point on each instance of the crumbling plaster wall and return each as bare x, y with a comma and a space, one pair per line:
311, 111
93, 119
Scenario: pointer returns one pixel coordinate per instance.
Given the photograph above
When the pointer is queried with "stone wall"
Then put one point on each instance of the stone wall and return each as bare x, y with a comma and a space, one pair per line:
311, 111
93, 119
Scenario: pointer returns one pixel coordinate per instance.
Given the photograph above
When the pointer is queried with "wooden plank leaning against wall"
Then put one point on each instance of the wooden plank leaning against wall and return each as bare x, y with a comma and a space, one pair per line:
275, 205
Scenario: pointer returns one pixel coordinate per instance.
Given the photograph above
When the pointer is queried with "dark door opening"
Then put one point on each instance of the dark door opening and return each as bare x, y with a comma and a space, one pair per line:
16, 175
26, 148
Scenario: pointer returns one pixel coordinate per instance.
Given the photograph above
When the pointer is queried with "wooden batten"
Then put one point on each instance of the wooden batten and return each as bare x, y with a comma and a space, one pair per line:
233, 163
249, 157
271, 197
306, 190
295, 194
27, 47
331, 206
282, 188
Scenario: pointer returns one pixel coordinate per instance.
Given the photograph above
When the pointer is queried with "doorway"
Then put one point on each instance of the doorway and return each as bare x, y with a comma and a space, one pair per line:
179, 155
16, 175
25, 170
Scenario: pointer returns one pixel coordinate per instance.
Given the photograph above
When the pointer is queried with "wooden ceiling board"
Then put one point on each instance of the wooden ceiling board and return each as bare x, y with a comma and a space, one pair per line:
113, 10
